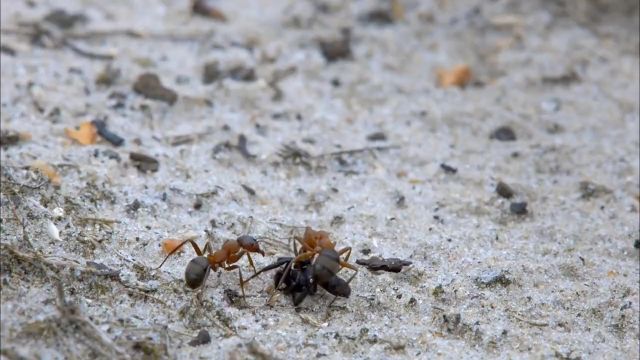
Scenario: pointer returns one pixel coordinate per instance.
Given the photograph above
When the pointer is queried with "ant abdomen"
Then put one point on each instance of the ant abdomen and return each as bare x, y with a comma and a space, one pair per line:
337, 286
196, 272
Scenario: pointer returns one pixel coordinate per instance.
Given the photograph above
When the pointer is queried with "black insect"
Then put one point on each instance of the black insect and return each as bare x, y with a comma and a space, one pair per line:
302, 279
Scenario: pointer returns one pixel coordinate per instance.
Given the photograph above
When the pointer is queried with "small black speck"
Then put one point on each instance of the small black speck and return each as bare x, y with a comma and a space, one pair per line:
448, 168
518, 208
365, 251
636, 244
335, 82
197, 204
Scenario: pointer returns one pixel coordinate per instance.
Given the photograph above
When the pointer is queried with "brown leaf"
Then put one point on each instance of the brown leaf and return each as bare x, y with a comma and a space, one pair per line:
86, 134
459, 75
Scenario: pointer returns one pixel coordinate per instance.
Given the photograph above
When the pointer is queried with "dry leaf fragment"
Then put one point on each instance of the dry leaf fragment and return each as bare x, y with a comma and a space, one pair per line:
459, 75
48, 171
86, 134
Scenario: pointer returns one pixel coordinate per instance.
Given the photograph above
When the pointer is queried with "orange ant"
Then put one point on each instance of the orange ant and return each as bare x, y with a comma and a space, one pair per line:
231, 252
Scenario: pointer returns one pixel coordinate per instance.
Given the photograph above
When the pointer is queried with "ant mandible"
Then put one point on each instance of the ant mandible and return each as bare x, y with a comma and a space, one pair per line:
232, 251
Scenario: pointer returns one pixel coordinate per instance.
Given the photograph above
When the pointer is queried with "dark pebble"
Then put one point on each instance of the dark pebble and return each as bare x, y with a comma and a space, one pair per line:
211, 72
503, 133
377, 136
636, 244
150, 86
242, 73
340, 49
504, 190
202, 338
110, 154
518, 208
448, 168
144, 162
108, 76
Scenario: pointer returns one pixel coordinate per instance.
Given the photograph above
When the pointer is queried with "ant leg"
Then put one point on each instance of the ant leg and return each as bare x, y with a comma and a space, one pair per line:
233, 267
191, 241
251, 263
346, 250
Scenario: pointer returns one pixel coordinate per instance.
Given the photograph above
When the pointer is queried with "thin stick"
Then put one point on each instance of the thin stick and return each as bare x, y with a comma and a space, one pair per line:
355, 151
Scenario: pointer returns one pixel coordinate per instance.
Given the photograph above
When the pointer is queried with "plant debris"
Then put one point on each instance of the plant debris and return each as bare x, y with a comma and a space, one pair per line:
8, 137
203, 8
503, 133
106, 134
150, 86
242, 147
144, 162
85, 134
6, 49
337, 49
518, 208
493, 277
202, 338
459, 76
48, 171
503, 189
379, 16
212, 73
108, 76
391, 264
64, 20
248, 189
448, 168
590, 190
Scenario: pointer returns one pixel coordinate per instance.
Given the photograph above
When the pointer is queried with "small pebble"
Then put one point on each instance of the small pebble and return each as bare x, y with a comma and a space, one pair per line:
518, 208
636, 244
493, 277
202, 338
53, 231
504, 190
150, 86
144, 162
337, 49
503, 133
551, 105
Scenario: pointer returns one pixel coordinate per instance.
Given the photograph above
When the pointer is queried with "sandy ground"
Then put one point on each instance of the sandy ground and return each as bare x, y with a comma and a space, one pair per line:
560, 281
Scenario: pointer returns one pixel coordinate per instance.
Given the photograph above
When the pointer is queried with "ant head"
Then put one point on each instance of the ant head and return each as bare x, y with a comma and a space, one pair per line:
250, 244
317, 238
196, 272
